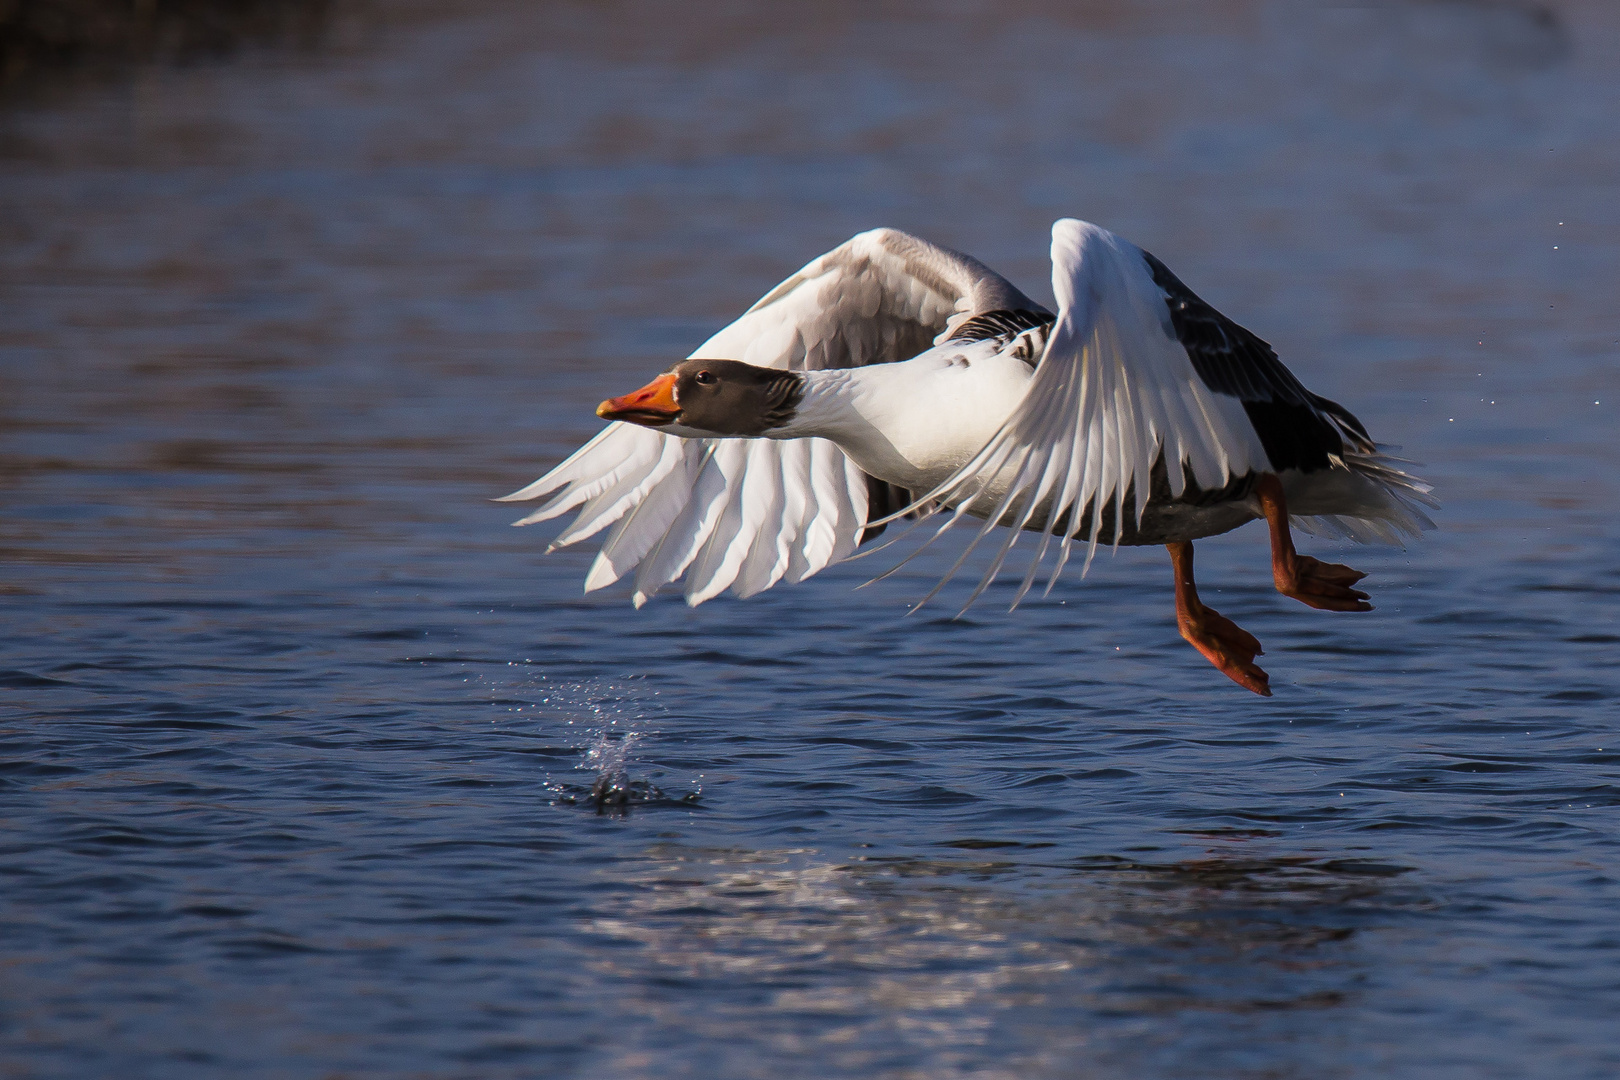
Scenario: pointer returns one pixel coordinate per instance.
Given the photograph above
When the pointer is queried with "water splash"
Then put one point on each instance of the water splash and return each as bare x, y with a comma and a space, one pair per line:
609, 756
606, 718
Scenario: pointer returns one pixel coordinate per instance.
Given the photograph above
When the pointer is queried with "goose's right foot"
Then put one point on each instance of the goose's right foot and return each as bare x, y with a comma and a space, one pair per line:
1223, 642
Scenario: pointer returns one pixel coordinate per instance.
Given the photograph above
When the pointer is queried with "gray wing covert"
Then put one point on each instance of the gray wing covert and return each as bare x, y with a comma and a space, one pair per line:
881, 297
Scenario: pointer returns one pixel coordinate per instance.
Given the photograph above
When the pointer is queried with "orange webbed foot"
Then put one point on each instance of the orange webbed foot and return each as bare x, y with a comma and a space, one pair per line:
1321, 585
1228, 646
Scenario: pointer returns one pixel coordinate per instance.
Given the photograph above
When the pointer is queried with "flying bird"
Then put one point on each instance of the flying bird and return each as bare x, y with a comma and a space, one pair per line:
893, 378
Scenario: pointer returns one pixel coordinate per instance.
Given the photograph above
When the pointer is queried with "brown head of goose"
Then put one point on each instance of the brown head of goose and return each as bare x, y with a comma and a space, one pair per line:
708, 398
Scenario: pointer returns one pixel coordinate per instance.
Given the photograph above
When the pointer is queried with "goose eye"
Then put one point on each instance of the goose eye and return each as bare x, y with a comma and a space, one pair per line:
703, 378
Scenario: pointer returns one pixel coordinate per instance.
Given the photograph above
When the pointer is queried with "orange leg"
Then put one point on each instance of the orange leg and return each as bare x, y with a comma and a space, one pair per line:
1319, 584
1223, 642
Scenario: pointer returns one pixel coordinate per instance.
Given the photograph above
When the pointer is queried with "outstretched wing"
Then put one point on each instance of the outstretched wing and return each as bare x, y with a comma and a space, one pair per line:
746, 513
1114, 389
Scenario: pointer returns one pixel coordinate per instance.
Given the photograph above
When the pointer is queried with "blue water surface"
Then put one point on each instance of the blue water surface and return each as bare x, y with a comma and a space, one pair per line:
311, 766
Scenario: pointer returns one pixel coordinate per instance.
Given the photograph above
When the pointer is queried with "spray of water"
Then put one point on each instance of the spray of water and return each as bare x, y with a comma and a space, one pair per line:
610, 758
610, 718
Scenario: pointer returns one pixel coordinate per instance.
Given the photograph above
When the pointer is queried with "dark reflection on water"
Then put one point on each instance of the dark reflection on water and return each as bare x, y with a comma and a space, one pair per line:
310, 766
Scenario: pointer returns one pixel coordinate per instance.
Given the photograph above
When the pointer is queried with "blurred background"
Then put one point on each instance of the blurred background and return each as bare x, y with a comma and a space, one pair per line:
297, 738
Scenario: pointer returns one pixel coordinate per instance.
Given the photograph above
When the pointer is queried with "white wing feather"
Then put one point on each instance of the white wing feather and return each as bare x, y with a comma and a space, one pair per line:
745, 514
1113, 389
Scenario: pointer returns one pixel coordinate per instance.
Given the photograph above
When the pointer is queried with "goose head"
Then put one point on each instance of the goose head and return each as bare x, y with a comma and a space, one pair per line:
709, 398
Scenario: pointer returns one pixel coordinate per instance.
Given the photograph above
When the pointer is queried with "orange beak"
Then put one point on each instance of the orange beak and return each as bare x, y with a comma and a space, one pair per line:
651, 406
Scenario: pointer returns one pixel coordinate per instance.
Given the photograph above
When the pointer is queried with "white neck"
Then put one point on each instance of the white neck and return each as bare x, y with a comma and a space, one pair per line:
913, 423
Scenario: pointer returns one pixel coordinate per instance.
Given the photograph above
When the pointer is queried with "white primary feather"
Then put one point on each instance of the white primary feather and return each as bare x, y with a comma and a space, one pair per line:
746, 514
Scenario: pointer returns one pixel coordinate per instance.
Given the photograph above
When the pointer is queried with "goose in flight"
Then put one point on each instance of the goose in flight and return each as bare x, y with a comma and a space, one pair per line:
892, 378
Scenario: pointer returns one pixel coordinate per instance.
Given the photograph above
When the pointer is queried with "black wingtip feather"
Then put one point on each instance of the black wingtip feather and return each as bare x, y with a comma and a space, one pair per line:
1298, 429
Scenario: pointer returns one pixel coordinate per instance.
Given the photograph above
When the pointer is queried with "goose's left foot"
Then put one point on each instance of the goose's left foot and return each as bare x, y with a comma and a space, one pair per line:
1321, 585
